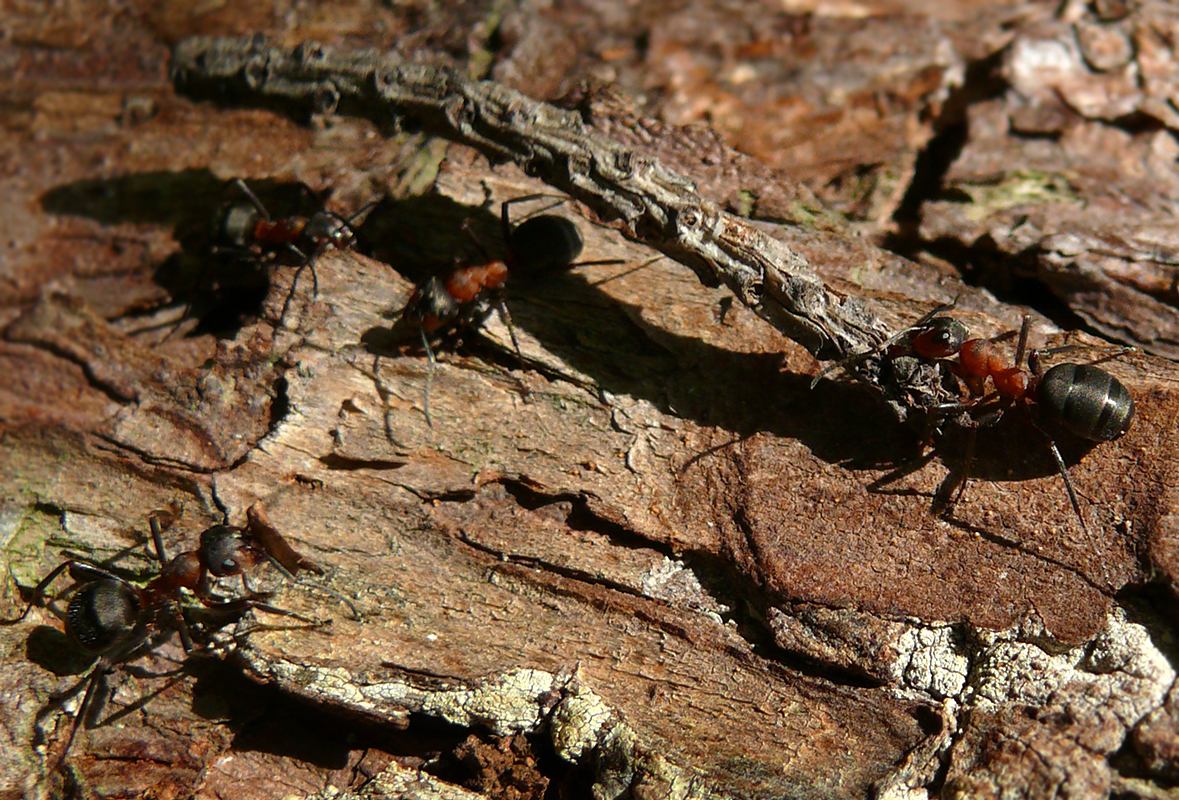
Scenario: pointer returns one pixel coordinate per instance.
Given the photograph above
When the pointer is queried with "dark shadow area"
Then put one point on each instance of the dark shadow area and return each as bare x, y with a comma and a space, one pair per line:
983, 81
841, 421
610, 342
573, 510
267, 720
219, 285
423, 235
52, 650
980, 263
524, 767
1010, 278
749, 609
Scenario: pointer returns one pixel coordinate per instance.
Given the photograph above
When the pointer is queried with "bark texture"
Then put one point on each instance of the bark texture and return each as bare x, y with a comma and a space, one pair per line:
642, 557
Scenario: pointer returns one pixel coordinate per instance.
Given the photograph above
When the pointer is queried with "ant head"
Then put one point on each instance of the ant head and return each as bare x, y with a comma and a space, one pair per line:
224, 552
326, 228
941, 337
544, 243
103, 614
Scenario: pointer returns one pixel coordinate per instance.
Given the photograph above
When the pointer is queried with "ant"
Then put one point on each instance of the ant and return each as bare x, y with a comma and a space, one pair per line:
115, 620
250, 231
540, 244
1081, 398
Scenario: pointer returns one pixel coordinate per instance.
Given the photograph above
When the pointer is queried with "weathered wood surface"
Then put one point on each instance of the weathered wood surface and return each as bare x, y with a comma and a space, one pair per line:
668, 567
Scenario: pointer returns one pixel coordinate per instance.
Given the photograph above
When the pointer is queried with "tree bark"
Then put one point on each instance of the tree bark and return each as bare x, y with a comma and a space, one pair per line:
640, 556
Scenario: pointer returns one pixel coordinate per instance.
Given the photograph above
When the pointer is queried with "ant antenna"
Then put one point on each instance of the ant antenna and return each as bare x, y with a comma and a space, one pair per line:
249, 193
429, 375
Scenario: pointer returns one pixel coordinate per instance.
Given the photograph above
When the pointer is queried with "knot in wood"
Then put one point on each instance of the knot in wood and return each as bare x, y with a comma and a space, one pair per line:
327, 98
687, 220
460, 112
256, 71
311, 54
624, 162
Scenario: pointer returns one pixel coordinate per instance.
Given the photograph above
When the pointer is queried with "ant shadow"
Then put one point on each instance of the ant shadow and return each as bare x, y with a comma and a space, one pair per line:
607, 339
612, 342
1014, 449
52, 650
220, 291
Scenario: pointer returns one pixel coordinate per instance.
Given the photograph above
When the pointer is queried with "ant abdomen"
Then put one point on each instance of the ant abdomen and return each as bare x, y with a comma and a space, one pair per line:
236, 224
544, 243
102, 614
1086, 401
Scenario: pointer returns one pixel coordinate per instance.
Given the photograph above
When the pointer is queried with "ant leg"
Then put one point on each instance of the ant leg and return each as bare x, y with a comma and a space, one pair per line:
305, 263
622, 274
1062, 468
505, 221
1035, 355
507, 318
92, 681
157, 529
951, 491
184, 632
253, 198
478, 244
429, 376
1023, 339
38, 592
284, 557
949, 496
360, 215
282, 612
256, 599
230, 250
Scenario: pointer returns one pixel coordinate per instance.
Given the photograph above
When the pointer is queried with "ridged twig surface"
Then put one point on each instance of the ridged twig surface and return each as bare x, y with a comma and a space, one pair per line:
656, 205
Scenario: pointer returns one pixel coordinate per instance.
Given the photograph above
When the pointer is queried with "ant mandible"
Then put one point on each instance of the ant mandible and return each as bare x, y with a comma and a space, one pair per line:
540, 244
1081, 398
113, 619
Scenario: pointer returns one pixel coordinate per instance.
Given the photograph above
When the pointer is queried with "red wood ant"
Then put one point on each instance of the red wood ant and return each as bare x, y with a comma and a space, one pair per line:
540, 244
115, 620
249, 230
1081, 398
